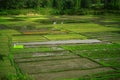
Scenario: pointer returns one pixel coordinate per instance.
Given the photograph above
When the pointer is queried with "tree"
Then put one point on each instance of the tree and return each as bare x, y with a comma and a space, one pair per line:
86, 3
77, 4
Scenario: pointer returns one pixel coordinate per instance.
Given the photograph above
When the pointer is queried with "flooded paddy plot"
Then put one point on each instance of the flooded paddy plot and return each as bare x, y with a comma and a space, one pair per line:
42, 54
70, 74
113, 37
45, 58
105, 54
57, 65
68, 49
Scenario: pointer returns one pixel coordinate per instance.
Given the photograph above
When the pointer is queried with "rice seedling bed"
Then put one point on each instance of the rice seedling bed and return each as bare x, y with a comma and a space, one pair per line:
43, 32
90, 27
65, 36
52, 62
26, 38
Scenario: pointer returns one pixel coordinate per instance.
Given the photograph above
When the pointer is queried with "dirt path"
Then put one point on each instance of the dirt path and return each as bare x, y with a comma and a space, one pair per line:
62, 42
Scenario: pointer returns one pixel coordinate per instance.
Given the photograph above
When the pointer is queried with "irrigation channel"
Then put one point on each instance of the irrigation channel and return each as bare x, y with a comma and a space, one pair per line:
62, 42
58, 64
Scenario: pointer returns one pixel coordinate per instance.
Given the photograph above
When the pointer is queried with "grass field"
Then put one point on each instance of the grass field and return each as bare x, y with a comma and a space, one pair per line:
97, 61
28, 38
65, 37
7, 71
89, 27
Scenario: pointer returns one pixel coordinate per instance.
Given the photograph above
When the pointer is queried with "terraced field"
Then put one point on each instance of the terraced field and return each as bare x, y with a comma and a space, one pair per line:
58, 64
75, 48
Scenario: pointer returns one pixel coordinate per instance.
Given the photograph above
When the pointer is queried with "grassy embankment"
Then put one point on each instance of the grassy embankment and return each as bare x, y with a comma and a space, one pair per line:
8, 68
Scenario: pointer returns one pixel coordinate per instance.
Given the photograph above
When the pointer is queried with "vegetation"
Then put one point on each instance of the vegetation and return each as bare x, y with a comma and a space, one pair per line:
7, 70
65, 37
23, 21
104, 54
28, 38
60, 7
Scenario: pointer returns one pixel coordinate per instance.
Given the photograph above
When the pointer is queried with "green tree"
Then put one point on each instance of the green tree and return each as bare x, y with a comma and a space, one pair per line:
86, 3
77, 4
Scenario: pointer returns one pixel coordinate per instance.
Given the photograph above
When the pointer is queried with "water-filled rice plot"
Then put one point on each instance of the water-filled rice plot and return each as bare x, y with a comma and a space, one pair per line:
110, 37
105, 54
59, 61
89, 27
55, 62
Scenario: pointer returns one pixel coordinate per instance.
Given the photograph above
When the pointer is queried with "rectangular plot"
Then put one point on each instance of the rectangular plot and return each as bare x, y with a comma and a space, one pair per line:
45, 32
90, 27
92, 47
30, 38
65, 36
37, 50
46, 58
9, 32
57, 65
114, 62
41, 54
69, 74
113, 37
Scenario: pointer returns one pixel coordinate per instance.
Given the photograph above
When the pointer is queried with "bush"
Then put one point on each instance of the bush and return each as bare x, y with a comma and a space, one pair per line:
17, 11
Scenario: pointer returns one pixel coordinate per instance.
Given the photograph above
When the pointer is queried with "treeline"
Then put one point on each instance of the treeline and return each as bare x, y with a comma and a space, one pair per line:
61, 6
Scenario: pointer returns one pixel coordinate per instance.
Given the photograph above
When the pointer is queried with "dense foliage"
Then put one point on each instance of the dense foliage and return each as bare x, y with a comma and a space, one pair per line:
61, 6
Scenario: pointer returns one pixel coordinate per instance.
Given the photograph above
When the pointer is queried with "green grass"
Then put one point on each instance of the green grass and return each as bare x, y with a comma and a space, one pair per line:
21, 20
74, 26
7, 71
65, 36
26, 38
105, 54
89, 27
9, 32
91, 47
19, 46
